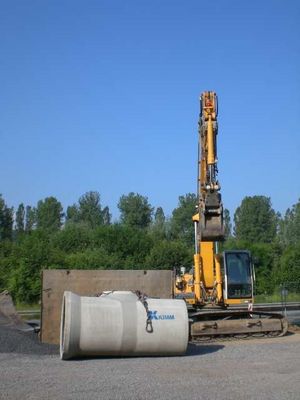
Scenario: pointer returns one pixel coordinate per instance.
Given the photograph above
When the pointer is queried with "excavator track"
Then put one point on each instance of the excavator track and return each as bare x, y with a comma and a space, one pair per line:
227, 338
236, 324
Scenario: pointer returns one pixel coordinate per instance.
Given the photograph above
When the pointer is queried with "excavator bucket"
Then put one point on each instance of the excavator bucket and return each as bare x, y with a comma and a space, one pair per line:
212, 228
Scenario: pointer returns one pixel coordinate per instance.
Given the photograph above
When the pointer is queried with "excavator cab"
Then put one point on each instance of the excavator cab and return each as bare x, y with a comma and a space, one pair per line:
238, 276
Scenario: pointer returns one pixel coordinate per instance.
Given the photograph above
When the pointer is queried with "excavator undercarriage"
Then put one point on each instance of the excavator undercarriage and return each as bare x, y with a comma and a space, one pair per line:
235, 323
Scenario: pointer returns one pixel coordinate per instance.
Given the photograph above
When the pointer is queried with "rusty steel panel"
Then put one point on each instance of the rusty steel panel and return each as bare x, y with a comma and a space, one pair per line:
155, 283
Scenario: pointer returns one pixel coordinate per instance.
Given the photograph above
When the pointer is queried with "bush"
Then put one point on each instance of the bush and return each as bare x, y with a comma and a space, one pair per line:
74, 237
28, 257
167, 255
24, 283
130, 245
265, 256
93, 259
288, 268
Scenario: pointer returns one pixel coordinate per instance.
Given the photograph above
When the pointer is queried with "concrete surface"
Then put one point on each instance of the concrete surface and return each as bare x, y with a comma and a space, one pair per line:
245, 369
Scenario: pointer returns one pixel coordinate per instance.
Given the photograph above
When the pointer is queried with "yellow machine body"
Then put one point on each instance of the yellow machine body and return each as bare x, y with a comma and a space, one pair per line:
219, 288
204, 285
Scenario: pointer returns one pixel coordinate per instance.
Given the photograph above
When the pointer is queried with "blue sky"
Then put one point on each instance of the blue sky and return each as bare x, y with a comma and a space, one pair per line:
103, 95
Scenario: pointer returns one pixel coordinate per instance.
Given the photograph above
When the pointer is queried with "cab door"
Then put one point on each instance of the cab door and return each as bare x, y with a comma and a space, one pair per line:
238, 277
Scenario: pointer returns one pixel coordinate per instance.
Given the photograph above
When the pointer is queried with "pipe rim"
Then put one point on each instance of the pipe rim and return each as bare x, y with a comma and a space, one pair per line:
62, 330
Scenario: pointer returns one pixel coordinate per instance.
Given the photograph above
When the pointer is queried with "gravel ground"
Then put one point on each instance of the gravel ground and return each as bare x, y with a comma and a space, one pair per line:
15, 341
250, 369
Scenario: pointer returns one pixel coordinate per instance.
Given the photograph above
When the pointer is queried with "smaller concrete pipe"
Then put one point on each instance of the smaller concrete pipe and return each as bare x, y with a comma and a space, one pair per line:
115, 323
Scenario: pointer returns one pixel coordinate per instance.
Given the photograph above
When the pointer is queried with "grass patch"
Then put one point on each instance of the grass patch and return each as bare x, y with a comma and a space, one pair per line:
35, 311
276, 298
36, 308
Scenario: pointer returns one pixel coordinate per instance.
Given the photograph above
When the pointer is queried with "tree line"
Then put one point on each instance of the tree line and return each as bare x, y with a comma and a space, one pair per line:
84, 236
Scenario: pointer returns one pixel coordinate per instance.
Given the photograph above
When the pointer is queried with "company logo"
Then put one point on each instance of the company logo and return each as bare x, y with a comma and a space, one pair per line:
152, 315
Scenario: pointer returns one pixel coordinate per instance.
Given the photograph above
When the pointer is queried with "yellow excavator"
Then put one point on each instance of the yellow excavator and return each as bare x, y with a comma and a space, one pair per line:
219, 288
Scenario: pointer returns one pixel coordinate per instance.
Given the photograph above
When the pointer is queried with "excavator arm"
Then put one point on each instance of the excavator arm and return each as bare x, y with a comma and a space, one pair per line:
210, 201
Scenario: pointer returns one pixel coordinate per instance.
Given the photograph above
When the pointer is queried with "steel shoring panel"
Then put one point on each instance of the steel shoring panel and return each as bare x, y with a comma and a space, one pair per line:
155, 283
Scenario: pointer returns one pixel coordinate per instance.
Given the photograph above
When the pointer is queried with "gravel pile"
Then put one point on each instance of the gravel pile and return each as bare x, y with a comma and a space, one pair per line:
15, 341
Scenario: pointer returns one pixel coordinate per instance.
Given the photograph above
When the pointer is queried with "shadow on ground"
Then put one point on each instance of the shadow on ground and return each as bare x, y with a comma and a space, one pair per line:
192, 350
15, 341
203, 348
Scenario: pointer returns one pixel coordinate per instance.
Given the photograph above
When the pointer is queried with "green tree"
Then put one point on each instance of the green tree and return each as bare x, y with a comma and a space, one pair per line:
136, 210
72, 214
289, 231
255, 220
181, 221
20, 219
49, 214
30, 218
227, 223
88, 211
6, 265
6, 220
106, 216
159, 217
158, 227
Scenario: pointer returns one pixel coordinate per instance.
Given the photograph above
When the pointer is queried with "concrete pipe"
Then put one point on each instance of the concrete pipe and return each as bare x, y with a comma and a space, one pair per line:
117, 324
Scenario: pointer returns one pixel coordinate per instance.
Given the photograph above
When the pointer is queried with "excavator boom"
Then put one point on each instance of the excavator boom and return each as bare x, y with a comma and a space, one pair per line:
210, 201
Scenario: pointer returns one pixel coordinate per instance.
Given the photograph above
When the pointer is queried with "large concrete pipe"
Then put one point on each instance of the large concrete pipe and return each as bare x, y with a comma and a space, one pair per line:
122, 324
